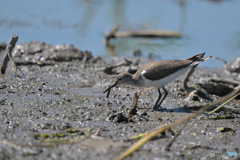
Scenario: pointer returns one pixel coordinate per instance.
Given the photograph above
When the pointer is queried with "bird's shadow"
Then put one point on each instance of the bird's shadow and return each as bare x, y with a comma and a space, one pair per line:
183, 109
142, 117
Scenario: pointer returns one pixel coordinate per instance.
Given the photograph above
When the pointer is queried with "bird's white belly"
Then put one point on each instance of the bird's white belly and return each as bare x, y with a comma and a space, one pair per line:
162, 82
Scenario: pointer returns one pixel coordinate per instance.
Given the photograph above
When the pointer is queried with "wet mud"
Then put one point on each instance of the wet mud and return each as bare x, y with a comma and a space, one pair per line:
58, 110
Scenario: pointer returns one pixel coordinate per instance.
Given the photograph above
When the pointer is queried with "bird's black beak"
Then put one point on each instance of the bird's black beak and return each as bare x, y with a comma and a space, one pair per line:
109, 89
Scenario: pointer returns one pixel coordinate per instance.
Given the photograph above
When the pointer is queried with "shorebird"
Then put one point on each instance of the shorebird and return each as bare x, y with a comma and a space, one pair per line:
158, 74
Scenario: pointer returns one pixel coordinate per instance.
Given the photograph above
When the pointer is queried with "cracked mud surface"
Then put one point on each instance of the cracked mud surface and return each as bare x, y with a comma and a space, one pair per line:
53, 112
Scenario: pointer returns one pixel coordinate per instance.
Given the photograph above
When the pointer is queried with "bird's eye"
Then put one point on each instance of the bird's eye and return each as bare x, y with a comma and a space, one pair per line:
120, 78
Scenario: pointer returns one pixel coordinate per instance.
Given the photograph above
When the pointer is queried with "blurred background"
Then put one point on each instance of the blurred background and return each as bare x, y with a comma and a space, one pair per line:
211, 26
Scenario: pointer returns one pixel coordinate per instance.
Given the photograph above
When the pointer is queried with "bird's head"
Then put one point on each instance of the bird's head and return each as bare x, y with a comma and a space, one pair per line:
122, 78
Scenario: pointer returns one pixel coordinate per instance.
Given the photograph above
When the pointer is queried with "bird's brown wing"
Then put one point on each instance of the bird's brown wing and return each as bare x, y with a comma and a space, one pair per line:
160, 69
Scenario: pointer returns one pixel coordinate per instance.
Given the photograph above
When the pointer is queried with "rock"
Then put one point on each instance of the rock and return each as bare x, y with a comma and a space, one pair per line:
3, 46
234, 66
136, 53
217, 89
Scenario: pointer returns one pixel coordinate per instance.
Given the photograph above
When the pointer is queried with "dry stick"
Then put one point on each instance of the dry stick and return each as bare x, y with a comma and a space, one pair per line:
139, 33
225, 81
142, 141
224, 104
147, 33
144, 134
111, 33
134, 105
186, 79
8, 55
97, 132
133, 109
108, 93
218, 58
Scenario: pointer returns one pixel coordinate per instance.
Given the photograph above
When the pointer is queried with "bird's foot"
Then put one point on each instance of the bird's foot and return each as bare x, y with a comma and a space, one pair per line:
156, 107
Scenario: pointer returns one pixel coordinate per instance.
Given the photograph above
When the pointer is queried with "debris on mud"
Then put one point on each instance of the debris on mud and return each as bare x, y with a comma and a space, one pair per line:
37, 52
3, 46
233, 66
60, 100
226, 129
120, 67
118, 117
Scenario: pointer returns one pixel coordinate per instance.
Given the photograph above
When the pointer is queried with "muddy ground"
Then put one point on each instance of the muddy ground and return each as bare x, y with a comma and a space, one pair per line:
55, 105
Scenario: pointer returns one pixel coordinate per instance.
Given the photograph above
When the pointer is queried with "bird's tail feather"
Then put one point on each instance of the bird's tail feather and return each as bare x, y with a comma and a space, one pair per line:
196, 57
199, 60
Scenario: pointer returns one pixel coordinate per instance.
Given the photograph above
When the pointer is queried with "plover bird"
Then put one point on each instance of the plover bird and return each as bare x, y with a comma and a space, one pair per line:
158, 74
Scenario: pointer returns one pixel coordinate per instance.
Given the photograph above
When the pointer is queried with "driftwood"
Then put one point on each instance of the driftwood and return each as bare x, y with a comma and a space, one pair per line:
147, 33
111, 34
189, 90
8, 55
133, 109
194, 92
225, 81
140, 33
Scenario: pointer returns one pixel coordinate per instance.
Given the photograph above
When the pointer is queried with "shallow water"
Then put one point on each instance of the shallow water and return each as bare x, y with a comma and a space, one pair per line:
207, 26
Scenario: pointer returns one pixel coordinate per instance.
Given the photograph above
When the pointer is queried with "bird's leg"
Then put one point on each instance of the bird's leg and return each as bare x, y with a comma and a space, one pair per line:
159, 97
135, 101
165, 95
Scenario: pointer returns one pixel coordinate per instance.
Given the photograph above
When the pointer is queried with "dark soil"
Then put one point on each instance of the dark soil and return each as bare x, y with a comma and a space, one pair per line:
55, 105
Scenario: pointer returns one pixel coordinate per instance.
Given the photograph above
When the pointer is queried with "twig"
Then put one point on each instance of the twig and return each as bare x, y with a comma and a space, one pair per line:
225, 81
8, 55
97, 132
224, 103
111, 34
218, 58
133, 109
147, 33
142, 141
144, 134
140, 33
186, 79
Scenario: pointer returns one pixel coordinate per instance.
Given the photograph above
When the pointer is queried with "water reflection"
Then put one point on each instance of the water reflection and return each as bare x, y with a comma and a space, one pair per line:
117, 10
88, 13
123, 46
183, 14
